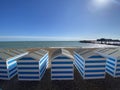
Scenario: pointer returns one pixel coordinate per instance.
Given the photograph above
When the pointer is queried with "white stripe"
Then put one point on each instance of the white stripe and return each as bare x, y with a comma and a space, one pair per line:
107, 64
12, 63
94, 68
3, 65
5, 74
3, 69
71, 74
62, 78
27, 66
91, 73
23, 70
101, 77
94, 64
28, 75
22, 61
61, 69
28, 79
63, 60
62, 65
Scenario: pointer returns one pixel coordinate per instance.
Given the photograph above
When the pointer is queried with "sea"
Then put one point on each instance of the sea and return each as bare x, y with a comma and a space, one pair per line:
49, 44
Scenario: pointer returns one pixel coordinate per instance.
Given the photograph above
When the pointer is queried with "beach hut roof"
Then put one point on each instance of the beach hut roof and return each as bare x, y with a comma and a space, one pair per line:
36, 55
62, 52
113, 52
7, 55
88, 54
84, 51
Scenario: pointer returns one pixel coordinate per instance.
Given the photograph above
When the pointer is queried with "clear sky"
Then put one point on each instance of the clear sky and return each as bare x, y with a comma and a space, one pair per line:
59, 19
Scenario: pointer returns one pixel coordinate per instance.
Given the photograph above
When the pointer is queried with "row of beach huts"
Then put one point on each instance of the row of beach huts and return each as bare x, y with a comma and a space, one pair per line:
91, 63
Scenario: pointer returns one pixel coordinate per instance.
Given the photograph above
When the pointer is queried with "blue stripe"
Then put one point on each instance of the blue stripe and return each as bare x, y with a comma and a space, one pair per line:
44, 58
110, 71
94, 75
111, 59
62, 57
118, 60
111, 63
32, 68
12, 66
28, 72
118, 65
96, 61
95, 66
80, 71
110, 67
62, 76
62, 62
79, 61
12, 69
2, 62
44, 63
44, 67
79, 66
117, 73
3, 72
27, 63
42, 73
94, 70
117, 69
13, 74
3, 67
97, 56
62, 72
29, 77
26, 58
10, 61
3, 76
79, 57
62, 67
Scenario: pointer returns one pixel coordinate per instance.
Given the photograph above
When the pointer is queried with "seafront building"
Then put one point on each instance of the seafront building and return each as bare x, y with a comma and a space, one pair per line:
32, 66
89, 64
112, 61
62, 65
8, 63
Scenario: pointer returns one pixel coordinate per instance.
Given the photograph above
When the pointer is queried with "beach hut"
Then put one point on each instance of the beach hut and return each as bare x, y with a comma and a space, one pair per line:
112, 61
62, 65
8, 64
32, 66
89, 64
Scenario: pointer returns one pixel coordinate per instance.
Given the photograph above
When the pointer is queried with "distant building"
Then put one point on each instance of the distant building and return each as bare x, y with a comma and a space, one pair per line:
32, 66
62, 65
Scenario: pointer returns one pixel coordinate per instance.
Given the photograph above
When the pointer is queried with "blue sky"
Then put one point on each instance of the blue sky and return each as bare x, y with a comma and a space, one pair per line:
59, 19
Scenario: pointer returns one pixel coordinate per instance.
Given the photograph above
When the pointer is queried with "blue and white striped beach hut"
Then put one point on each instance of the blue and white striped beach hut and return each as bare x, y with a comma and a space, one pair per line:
112, 61
32, 66
62, 65
89, 64
8, 64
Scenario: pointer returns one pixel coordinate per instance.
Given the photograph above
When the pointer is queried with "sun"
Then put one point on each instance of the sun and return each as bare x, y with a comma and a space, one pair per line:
101, 3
